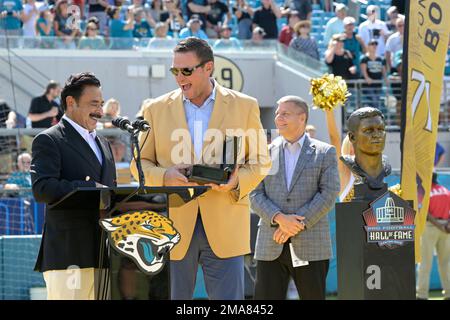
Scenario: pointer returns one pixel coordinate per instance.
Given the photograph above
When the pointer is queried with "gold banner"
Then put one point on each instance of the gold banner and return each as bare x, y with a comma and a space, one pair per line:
425, 49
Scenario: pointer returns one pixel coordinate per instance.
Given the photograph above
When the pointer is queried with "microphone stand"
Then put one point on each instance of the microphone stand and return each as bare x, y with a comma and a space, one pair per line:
103, 285
135, 142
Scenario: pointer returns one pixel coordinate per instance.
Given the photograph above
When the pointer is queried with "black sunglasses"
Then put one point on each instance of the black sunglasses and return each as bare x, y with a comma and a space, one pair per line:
185, 71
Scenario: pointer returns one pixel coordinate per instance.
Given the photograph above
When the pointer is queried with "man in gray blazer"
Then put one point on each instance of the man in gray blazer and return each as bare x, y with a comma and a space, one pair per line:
293, 201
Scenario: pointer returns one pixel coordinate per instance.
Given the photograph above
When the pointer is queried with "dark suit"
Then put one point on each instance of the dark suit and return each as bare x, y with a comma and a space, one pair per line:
61, 161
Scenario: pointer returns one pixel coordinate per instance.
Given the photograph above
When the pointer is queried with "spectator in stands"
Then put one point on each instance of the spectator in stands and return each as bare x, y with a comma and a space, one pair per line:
244, 14
258, 35
392, 16
338, 59
156, 10
353, 42
142, 28
10, 21
111, 110
21, 179
218, 15
439, 155
373, 69
226, 41
435, 238
303, 7
266, 17
81, 5
394, 44
373, 28
160, 40
303, 41
354, 9
193, 29
173, 17
97, 8
288, 32
6, 142
335, 25
29, 17
395, 80
121, 31
200, 9
91, 39
44, 110
311, 131
65, 33
44, 28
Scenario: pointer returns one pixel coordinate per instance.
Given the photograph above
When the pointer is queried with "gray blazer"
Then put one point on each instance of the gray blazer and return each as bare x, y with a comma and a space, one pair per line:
312, 193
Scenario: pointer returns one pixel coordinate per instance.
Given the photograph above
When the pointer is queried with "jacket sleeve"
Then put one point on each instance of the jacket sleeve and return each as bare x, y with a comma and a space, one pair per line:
257, 160
326, 194
262, 205
47, 184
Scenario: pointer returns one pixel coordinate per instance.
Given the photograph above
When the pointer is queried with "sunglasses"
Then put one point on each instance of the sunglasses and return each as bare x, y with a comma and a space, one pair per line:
185, 71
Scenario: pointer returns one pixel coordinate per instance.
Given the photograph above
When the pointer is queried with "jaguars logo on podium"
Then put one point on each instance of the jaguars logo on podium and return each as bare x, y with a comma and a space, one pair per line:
144, 236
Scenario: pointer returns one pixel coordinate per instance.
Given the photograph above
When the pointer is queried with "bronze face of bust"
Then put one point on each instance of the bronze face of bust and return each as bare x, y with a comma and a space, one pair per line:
367, 134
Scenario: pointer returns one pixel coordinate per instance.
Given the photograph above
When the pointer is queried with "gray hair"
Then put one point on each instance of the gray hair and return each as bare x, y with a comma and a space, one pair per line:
299, 102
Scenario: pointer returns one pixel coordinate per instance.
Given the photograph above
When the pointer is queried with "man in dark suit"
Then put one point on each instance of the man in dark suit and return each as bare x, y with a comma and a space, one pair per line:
67, 156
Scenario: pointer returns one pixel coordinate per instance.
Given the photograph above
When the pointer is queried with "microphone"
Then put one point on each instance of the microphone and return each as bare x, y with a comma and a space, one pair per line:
140, 125
123, 124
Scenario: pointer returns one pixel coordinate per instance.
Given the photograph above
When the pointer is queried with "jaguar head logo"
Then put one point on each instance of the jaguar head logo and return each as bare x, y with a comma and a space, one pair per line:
144, 236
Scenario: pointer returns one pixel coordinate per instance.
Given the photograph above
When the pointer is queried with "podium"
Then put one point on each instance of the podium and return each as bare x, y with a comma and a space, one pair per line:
375, 247
124, 279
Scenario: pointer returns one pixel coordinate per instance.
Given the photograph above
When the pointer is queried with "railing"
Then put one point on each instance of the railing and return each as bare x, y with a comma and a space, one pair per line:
17, 42
389, 99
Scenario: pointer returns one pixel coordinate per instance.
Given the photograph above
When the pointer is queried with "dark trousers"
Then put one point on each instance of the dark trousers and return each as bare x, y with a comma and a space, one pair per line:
272, 278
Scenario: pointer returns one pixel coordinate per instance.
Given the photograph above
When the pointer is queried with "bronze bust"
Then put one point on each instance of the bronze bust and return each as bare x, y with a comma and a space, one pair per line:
366, 132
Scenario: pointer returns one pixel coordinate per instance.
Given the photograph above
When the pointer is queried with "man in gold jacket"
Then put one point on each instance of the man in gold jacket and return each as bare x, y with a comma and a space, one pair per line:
188, 126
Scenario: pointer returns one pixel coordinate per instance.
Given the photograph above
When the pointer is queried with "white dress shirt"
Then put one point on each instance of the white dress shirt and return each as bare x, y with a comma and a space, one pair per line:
291, 154
89, 137
197, 119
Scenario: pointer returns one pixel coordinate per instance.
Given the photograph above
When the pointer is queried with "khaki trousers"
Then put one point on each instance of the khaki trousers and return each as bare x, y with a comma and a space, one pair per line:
75, 284
432, 238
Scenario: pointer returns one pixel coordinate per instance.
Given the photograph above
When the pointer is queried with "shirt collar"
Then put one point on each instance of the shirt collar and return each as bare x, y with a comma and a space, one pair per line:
82, 131
212, 96
299, 141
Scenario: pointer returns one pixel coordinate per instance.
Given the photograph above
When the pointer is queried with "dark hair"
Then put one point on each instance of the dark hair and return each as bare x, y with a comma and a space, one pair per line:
111, 11
355, 118
95, 20
200, 47
50, 86
75, 84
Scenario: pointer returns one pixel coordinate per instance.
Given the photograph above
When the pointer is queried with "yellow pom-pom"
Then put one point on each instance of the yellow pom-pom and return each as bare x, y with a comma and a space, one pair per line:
329, 92
397, 190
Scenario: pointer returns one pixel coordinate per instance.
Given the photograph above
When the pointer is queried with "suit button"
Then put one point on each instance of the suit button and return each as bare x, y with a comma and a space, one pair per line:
288, 199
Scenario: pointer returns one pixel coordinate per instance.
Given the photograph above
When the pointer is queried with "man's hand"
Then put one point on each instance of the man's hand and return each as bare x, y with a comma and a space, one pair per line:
230, 185
290, 224
280, 237
176, 176
53, 112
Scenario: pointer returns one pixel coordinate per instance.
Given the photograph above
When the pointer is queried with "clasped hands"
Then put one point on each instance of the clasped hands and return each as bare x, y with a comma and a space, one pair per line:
177, 176
289, 225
